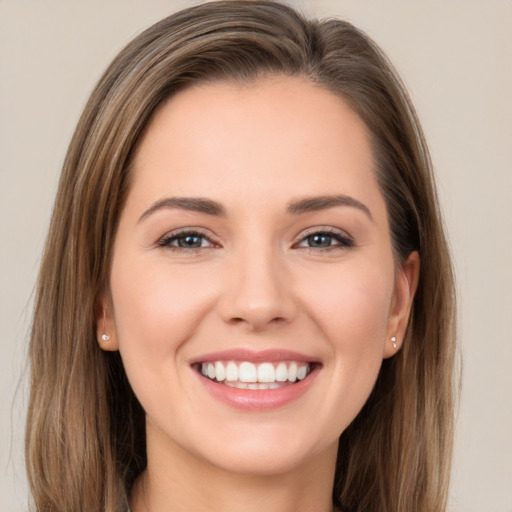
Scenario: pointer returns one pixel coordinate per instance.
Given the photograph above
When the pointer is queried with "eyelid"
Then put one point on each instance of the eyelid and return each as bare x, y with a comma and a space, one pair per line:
165, 241
342, 237
345, 240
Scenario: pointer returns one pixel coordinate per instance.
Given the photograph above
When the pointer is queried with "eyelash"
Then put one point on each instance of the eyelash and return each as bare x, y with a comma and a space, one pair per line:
343, 241
168, 239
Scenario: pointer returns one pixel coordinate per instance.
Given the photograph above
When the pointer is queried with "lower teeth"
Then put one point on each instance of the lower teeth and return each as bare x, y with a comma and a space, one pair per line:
253, 385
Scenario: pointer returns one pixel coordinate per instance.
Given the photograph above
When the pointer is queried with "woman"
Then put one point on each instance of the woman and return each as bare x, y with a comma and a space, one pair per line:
246, 299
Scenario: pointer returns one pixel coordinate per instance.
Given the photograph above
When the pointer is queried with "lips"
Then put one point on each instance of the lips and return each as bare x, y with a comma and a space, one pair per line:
256, 380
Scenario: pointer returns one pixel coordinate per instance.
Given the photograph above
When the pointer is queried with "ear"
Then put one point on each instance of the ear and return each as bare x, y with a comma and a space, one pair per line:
105, 324
406, 283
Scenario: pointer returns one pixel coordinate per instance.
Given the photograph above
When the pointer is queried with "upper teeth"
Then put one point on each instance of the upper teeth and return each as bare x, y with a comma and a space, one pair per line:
246, 371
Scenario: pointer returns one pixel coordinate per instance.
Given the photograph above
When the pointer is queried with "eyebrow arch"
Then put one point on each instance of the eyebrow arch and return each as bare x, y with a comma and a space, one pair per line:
193, 204
312, 204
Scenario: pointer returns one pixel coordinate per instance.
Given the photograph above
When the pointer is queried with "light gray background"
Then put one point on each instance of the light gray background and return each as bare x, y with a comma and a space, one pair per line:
455, 57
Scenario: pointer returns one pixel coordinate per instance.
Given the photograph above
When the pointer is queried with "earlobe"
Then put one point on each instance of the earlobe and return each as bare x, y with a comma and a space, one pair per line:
105, 325
405, 288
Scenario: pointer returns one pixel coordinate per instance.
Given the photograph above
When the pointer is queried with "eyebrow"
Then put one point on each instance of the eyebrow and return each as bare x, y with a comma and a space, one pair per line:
210, 207
193, 204
316, 203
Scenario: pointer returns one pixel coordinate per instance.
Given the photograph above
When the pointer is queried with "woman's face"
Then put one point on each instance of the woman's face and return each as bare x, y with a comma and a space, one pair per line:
254, 247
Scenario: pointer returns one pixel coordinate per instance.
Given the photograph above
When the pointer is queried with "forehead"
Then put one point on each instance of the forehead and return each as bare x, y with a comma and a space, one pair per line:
281, 136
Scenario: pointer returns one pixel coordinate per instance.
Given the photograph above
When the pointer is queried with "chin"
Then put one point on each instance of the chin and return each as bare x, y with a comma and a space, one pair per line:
267, 453
263, 463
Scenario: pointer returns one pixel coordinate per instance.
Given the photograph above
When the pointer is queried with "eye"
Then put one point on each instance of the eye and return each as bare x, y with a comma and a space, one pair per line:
186, 240
326, 239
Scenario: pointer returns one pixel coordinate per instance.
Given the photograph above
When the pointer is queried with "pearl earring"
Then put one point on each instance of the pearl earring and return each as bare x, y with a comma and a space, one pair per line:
393, 340
104, 336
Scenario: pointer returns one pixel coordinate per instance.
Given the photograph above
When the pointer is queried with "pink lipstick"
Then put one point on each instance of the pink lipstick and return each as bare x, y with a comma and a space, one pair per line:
251, 380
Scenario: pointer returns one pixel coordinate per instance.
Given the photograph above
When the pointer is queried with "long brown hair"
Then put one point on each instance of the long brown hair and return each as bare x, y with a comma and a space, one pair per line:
85, 440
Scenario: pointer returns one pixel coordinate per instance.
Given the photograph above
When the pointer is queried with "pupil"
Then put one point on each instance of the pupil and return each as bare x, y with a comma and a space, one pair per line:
319, 241
190, 241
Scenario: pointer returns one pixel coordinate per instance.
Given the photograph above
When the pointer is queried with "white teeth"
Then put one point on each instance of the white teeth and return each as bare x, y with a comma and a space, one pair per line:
237, 384
266, 373
220, 374
247, 372
292, 372
231, 371
281, 372
254, 385
255, 376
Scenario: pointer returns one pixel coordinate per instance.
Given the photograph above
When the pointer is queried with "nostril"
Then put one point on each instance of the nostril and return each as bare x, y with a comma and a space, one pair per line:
256, 306
258, 323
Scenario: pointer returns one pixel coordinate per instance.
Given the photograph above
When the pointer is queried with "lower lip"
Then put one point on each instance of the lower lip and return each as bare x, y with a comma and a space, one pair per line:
258, 400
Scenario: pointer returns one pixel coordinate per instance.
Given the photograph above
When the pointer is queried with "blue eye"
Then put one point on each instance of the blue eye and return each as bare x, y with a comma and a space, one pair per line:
185, 240
189, 241
325, 240
319, 240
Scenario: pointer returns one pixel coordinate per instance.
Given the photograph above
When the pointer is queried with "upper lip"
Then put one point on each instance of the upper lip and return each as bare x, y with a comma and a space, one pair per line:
253, 356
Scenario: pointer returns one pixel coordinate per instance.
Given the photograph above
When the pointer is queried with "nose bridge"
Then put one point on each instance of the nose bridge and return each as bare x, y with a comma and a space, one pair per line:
258, 293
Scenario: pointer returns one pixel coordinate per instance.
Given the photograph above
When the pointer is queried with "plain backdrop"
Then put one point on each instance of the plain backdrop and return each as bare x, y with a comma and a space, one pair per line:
455, 57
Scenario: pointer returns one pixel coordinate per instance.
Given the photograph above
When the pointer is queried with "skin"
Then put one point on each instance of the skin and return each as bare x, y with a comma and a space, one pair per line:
256, 284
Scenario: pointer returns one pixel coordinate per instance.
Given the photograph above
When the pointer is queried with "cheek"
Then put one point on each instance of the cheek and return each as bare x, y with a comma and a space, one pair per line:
353, 315
352, 306
156, 307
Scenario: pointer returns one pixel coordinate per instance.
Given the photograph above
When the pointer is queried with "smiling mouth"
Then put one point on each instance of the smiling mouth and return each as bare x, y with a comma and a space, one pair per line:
248, 375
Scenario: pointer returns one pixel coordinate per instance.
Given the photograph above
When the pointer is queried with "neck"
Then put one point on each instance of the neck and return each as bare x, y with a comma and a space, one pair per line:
176, 481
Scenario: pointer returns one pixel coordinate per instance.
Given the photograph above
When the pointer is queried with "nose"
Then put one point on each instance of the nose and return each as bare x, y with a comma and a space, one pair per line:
258, 292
